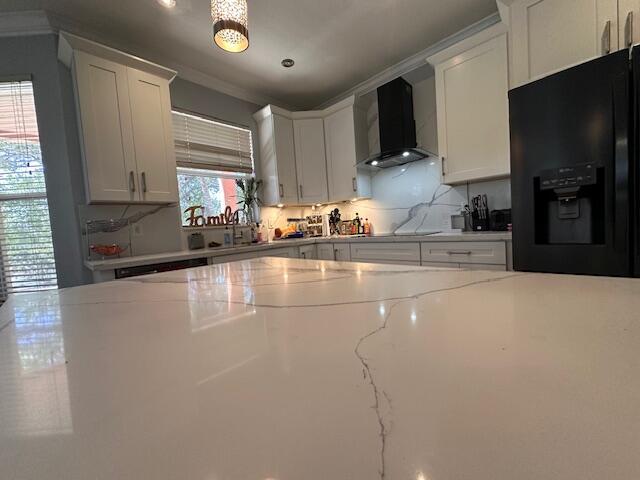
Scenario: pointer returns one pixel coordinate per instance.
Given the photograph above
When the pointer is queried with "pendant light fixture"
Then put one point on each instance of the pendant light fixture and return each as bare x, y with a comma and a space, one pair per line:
230, 25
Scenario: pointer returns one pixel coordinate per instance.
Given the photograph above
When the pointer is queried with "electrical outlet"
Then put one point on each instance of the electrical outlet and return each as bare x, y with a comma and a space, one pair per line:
137, 230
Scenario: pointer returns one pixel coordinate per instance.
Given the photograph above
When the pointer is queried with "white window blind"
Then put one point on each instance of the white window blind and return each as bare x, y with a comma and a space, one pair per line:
209, 145
26, 249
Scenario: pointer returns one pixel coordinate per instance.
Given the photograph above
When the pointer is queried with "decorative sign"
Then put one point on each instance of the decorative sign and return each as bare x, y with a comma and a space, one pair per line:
227, 218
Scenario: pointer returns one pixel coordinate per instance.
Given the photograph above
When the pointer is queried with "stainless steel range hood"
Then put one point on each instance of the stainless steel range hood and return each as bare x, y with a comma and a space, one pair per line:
397, 128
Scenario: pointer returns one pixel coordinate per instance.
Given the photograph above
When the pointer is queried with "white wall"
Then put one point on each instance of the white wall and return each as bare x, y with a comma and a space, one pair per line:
37, 56
408, 199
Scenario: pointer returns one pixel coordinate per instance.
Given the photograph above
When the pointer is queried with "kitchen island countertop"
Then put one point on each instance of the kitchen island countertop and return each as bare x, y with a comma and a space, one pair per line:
288, 369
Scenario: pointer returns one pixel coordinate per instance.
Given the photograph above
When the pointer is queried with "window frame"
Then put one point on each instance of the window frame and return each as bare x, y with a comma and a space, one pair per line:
239, 126
211, 173
5, 278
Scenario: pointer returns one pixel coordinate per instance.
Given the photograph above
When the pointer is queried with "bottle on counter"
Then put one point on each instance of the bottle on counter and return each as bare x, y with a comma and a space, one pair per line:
358, 224
367, 227
370, 228
228, 237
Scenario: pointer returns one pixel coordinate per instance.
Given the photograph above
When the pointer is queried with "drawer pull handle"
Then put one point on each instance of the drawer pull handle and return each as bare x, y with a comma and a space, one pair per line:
132, 181
459, 252
281, 191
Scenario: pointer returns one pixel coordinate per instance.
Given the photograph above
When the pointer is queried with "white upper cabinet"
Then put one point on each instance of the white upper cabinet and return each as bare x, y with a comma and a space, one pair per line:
153, 137
311, 163
124, 120
344, 147
277, 157
472, 85
628, 22
311, 157
102, 94
550, 35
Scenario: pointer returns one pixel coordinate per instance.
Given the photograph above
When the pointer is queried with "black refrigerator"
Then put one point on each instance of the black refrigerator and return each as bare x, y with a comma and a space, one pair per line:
574, 169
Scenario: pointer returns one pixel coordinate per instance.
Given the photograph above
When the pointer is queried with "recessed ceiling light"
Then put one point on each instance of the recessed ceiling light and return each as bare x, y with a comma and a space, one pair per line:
167, 3
406, 154
374, 163
287, 63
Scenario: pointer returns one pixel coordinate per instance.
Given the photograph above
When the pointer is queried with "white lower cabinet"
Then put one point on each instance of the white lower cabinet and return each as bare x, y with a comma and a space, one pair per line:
341, 252
480, 266
378, 252
440, 264
477, 255
487, 253
325, 251
466, 266
237, 257
291, 252
308, 252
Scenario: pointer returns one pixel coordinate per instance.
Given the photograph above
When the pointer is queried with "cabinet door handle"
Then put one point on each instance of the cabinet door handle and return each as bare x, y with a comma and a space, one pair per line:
628, 29
281, 190
301, 193
459, 252
304, 255
144, 182
132, 181
354, 184
606, 38
443, 162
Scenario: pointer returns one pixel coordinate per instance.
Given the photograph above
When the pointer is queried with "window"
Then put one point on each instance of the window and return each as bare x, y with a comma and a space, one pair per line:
26, 249
210, 157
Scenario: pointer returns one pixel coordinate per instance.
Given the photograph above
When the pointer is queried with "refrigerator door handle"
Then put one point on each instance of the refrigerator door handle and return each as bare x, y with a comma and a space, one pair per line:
621, 179
606, 38
628, 29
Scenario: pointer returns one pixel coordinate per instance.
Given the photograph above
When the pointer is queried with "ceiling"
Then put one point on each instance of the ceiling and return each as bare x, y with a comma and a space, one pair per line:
336, 44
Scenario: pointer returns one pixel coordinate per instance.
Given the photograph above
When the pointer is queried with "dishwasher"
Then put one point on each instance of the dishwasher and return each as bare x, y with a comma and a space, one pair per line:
137, 271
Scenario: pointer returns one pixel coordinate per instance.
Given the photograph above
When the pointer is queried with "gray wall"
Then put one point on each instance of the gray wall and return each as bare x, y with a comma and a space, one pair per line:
55, 106
37, 56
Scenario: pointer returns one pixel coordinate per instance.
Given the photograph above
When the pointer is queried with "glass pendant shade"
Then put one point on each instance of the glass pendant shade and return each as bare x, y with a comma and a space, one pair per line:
230, 25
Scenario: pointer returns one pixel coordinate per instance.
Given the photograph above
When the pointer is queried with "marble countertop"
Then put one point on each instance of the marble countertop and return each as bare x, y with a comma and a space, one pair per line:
297, 369
124, 262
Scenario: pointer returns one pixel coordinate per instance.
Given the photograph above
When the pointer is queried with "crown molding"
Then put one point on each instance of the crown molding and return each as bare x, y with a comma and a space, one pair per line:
418, 60
30, 22
185, 72
468, 43
40, 22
